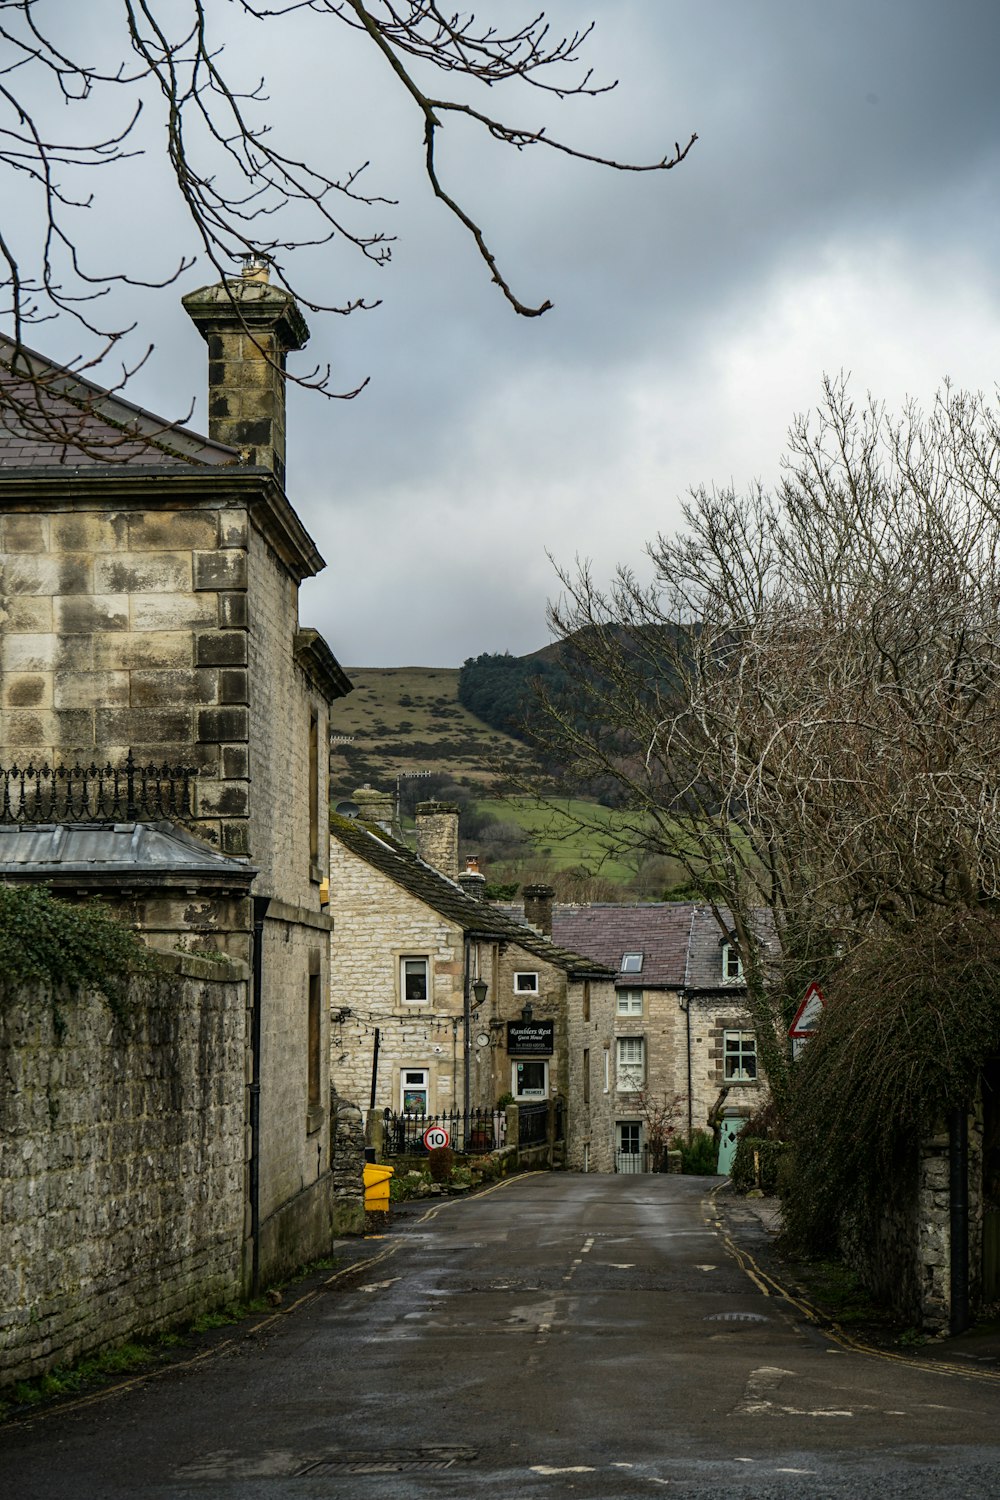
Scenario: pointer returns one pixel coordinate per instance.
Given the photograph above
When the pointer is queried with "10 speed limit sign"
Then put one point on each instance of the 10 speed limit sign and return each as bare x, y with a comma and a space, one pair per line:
435, 1137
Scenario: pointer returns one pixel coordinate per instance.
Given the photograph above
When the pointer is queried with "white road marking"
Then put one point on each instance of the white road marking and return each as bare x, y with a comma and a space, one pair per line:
570, 1469
763, 1383
377, 1286
620, 1265
706, 1268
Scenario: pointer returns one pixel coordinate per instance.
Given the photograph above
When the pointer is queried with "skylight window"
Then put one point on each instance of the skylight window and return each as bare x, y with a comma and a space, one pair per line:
631, 963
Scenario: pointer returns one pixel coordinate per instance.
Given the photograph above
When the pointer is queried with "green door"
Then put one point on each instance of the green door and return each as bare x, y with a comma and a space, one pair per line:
731, 1127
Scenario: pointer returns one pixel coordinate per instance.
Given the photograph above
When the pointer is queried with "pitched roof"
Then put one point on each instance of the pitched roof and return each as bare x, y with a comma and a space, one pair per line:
53, 418
658, 931
476, 918
680, 941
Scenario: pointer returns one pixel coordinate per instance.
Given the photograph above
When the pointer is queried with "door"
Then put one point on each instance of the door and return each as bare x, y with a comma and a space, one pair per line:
731, 1127
629, 1154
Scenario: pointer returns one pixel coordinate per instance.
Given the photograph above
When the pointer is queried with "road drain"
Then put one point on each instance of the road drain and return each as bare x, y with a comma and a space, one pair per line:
388, 1461
736, 1317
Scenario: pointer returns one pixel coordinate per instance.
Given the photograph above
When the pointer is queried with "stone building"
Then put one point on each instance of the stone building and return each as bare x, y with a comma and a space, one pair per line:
675, 1035
412, 936
153, 663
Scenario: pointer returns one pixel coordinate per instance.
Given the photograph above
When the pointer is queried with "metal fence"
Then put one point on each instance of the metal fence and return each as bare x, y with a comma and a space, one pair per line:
95, 794
479, 1131
632, 1161
532, 1124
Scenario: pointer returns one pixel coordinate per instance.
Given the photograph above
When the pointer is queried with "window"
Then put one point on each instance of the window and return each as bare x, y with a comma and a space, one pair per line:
314, 788
586, 1075
525, 984
732, 964
586, 999
631, 1063
631, 963
414, 983
607, 1070
413, 1090
629, 1002
315, 1055
739, 1050
530, 1080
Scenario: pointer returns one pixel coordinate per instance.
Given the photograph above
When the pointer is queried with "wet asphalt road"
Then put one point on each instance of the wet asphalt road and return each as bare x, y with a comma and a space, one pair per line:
557, 1336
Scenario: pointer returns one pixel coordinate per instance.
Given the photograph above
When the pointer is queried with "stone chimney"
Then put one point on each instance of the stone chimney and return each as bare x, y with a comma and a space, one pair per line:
437, 836
249, 326
473, 883
538, 908
374, 807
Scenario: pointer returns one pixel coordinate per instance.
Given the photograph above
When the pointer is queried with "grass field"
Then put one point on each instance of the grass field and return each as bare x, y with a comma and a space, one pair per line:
555, 832
399, 720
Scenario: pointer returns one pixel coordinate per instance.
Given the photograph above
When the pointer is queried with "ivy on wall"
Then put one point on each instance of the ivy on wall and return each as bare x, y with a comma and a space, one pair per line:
66, 946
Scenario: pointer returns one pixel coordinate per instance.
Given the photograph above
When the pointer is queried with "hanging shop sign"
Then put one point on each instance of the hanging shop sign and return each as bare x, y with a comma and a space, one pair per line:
530, 1038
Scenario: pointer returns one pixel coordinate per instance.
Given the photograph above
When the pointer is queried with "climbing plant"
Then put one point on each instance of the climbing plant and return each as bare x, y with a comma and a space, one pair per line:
910, 1017
66, 947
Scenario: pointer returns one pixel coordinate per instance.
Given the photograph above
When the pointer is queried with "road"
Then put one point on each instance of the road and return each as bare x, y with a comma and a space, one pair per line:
557, 1336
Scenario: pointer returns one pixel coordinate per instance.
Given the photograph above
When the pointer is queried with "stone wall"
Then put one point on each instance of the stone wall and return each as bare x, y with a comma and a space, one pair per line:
122, 1162
903, 1255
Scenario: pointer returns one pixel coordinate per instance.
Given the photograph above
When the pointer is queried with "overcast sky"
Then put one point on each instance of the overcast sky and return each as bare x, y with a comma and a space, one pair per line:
839, 211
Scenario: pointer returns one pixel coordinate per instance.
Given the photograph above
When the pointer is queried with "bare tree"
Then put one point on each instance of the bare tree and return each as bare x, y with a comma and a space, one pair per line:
245, 193
802, 707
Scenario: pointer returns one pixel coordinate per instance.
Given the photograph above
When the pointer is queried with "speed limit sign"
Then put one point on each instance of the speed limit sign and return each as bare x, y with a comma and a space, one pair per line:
435, 1137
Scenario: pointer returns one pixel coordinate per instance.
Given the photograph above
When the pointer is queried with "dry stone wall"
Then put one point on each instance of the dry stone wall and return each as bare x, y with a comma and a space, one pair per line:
122, 1162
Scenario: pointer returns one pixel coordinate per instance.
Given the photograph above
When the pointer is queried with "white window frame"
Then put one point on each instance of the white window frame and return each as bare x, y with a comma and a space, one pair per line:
628, 1002
536, 1094
414, 958
521, 988
631, 963
732, 963
425, 1084
630, 1074
745, 1046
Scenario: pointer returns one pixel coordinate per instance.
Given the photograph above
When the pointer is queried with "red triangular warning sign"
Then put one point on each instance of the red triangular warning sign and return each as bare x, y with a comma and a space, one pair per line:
808, 1015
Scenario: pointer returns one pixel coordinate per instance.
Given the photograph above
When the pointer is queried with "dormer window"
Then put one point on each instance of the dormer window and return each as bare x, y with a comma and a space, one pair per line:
631, 963
732, 964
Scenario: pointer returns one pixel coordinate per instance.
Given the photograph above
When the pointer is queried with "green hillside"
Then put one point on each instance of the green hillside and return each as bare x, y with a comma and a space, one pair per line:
401, 720
407, 723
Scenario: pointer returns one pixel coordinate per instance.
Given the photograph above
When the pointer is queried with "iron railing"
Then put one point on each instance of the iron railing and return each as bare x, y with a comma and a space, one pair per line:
632, 1161
532, 1124
479, 1131
127, 793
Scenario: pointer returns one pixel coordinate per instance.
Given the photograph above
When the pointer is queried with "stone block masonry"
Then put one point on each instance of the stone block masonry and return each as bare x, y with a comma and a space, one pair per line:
122, 1162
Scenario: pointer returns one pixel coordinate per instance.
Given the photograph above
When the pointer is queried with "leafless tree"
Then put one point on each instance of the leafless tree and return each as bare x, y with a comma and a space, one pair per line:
803, 707
245, 193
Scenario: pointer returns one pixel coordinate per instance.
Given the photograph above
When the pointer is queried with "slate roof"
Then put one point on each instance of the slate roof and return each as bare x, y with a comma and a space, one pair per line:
476, 918
680, 941
658, 931
62, 420
124, 854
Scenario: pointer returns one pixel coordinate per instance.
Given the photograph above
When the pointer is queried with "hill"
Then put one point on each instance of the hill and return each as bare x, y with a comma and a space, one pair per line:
404, 720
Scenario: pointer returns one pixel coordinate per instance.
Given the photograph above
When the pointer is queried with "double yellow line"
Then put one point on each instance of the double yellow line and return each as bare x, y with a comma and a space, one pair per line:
768, 1286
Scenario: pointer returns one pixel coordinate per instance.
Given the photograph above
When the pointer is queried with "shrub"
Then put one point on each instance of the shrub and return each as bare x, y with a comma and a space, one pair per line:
440, 1163
769, 1156
699, 1154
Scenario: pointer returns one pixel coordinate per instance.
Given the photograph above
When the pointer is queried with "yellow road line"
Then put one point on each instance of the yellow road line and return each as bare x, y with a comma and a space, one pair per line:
766, 1283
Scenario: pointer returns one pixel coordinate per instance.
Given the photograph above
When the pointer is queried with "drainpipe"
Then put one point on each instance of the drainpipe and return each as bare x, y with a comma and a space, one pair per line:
958, 1175
685, 1004
466, 1039
260, 905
